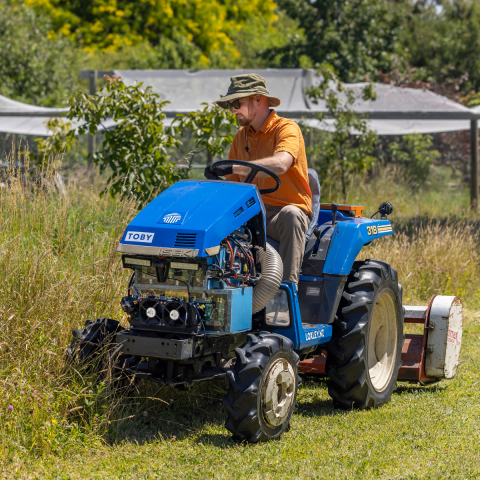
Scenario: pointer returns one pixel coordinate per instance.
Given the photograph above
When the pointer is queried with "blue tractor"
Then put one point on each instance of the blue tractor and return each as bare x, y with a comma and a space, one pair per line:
206, 301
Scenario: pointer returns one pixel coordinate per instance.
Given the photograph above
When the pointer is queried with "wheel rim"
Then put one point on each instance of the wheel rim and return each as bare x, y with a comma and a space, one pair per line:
278, 392
382, 341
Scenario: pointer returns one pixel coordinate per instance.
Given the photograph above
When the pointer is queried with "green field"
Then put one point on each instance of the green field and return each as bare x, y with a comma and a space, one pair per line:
424, 432
59, 267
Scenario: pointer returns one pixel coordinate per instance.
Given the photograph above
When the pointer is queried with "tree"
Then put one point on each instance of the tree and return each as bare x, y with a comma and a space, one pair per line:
341, 154
356, 37
415, 156
138, 149
52, 148
110, 25
35, 66
442, 40
176, 52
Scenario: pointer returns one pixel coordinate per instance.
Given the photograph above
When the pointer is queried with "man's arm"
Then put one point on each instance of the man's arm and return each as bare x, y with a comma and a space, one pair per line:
279, 163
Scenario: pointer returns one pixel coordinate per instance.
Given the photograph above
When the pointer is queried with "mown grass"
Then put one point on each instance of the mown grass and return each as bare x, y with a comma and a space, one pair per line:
58, 267
424, 432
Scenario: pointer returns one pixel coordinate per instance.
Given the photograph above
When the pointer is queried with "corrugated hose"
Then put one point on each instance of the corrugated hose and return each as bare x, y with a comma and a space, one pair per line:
272, 274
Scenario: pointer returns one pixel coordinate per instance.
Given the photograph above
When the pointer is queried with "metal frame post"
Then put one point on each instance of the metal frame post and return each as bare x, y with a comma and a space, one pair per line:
474, 161
92, 90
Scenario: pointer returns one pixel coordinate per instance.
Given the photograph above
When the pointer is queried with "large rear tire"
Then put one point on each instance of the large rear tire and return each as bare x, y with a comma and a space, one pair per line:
366, 347
263, 388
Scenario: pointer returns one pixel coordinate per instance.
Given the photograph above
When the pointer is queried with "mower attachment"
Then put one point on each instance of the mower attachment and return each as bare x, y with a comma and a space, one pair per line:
428, 357
434, 355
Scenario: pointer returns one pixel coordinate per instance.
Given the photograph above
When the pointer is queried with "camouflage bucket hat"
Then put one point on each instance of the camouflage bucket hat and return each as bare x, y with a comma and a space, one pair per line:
245, 85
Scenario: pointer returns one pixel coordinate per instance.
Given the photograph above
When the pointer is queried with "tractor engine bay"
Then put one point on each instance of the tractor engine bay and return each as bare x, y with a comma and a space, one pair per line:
194, 295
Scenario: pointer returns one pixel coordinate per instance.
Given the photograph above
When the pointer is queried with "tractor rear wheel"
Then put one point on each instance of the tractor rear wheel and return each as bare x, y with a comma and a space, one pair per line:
263, 388
366, 347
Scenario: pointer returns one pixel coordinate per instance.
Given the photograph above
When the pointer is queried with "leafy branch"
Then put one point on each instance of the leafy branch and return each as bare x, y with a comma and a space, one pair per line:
348, 149
137, 149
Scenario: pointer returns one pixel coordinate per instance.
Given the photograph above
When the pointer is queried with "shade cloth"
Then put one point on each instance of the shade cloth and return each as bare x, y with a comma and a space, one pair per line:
29, 123
186, 91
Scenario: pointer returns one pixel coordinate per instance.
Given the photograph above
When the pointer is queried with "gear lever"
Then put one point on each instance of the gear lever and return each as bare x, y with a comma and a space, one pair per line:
334, 212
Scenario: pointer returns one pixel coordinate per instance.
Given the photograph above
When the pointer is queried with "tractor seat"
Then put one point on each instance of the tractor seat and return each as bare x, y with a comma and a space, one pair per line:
314, 184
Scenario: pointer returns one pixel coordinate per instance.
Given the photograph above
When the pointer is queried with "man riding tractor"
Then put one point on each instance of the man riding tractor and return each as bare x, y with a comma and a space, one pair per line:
276, 143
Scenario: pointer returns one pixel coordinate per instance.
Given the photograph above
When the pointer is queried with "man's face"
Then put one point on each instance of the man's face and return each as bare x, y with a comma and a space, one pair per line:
247, 110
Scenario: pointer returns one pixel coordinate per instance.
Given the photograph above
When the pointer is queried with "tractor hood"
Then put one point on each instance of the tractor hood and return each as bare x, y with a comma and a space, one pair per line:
191, 218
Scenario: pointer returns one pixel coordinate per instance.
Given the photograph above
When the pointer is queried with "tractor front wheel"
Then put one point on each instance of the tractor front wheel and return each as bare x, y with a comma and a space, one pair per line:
366, 347
94, 348
263, 388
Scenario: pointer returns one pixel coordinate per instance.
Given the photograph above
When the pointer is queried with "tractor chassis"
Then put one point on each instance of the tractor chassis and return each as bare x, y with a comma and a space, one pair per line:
175, 361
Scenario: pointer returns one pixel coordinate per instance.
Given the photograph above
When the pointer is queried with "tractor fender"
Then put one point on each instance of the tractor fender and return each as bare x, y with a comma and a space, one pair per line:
348, 239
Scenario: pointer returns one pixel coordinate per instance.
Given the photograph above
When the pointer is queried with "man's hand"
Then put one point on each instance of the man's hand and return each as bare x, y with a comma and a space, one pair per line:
218, 172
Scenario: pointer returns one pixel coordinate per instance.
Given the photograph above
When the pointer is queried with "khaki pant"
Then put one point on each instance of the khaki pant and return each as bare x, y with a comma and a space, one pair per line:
288, 225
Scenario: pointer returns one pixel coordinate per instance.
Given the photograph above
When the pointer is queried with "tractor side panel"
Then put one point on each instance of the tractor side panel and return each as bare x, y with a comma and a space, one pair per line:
349, 238
319, 297
303, 335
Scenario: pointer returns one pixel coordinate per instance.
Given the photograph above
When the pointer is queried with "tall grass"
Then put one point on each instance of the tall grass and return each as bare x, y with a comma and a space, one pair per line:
443, 196
433, 259
59, 267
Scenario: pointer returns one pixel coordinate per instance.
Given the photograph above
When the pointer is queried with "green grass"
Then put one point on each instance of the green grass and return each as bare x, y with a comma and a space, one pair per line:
424, 432
59, 267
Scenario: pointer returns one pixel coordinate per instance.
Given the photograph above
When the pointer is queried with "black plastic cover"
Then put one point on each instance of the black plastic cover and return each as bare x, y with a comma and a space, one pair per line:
319, 300
316, 250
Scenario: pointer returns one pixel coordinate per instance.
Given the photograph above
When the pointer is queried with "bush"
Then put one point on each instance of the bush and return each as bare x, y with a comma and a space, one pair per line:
414, 155
137, 150
35, 66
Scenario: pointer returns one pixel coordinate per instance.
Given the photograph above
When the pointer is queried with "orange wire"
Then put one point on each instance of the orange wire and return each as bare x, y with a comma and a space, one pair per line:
231, 253
228, 282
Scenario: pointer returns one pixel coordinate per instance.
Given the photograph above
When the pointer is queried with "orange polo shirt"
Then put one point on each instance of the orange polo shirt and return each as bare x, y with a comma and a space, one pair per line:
277, 134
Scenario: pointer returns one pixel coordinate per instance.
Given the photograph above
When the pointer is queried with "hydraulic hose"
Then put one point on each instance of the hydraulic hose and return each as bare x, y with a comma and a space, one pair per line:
272, 274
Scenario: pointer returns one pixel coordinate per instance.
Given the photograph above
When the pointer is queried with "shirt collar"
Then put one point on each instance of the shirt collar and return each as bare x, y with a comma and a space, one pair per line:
267, 124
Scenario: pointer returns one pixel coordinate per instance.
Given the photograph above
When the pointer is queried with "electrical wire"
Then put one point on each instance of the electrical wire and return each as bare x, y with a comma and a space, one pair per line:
187, 284
247, 255
130, 283
231, 263
201, 320
249, 233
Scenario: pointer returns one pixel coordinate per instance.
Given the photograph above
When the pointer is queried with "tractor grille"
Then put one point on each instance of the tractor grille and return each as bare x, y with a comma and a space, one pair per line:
251, 202
185, 240
238, 212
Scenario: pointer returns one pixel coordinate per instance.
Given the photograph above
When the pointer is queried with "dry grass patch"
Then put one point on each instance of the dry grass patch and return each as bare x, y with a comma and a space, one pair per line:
434, 259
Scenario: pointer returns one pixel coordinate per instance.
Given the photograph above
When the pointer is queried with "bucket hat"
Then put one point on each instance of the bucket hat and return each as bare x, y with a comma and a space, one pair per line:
244, 85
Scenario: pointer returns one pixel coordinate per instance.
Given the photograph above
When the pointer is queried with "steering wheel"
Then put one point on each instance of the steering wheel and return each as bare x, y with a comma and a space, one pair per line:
254, 169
